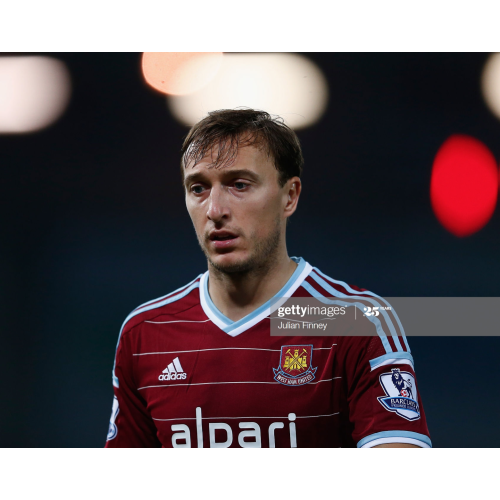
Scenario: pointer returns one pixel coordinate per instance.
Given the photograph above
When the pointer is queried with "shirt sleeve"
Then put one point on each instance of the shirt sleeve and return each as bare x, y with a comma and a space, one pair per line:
383, 398
131, 425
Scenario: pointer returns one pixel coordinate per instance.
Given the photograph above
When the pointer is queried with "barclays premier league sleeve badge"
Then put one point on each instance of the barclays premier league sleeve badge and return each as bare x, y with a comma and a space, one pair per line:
112, 430
295, 365
401, 394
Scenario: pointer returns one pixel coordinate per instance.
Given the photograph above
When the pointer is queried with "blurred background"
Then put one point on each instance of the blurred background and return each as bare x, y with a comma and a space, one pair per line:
400, 195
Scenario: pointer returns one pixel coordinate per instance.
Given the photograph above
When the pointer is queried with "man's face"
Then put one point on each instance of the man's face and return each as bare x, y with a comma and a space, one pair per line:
237, 210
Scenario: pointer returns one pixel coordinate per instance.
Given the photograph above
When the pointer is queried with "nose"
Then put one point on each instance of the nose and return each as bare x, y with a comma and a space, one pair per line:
217, 206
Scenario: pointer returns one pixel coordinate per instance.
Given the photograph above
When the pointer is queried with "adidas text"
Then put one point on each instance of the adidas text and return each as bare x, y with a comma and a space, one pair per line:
172, 376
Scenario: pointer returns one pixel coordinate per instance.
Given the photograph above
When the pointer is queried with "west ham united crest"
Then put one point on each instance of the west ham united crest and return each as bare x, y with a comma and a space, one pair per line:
295, 365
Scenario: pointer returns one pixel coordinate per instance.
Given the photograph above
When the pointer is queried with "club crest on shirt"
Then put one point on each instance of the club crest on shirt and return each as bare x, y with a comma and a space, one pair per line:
295, 365
401, 394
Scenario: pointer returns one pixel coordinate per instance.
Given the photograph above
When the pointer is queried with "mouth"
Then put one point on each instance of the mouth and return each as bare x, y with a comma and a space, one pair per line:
222, 239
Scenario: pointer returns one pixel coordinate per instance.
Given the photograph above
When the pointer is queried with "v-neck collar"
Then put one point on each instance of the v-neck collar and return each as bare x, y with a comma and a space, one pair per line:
234, 328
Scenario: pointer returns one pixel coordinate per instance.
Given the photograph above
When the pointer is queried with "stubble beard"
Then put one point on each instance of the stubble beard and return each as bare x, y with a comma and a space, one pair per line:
262, 259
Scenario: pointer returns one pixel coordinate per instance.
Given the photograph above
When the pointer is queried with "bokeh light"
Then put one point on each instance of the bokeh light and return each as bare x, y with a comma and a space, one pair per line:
34, 92
288, 85
490, 83
180, 73
464, 185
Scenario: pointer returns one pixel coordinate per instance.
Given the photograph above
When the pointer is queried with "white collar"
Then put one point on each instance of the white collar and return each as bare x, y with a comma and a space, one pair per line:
234, 328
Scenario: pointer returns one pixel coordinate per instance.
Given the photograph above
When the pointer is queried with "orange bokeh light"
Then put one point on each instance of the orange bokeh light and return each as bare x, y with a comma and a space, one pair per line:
180, 73
464, 185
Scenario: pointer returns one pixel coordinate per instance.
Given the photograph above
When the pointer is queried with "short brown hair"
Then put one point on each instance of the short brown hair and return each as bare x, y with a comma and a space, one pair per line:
230, 129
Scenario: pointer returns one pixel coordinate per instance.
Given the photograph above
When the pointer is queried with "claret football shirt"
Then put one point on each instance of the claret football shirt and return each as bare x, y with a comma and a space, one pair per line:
186, 376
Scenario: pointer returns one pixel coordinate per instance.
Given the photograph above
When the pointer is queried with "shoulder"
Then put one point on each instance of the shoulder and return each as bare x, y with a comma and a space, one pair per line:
377, 313
326, 286
173, 303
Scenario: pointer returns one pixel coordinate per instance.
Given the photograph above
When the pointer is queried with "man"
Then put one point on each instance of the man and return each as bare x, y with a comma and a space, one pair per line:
199, 368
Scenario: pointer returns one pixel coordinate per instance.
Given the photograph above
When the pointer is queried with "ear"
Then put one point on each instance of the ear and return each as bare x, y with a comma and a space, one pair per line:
291, 192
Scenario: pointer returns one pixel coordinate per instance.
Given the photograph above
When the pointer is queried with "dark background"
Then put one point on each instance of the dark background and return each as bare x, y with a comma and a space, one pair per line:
94, 224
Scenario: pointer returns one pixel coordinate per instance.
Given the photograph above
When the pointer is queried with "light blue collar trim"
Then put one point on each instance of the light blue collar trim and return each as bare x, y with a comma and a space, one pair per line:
233, 325
211, 305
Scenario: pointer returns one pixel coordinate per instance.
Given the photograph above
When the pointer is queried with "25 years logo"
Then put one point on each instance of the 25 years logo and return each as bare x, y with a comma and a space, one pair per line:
374, 311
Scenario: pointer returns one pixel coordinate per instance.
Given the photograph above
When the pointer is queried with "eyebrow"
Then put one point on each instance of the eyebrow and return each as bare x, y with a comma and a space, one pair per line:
192, 178
199, 176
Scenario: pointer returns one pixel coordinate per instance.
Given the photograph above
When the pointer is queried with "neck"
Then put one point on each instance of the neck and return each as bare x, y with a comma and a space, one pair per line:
238, 294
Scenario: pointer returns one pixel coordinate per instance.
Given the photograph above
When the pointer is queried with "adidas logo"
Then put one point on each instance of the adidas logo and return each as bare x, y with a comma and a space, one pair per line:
173, 371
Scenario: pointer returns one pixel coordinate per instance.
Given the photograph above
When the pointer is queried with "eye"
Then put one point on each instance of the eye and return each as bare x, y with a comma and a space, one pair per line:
197, 189
240, 185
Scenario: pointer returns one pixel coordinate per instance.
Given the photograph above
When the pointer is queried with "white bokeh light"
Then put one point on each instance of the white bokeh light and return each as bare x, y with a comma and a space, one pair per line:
287, 85
34, 92
490, 83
